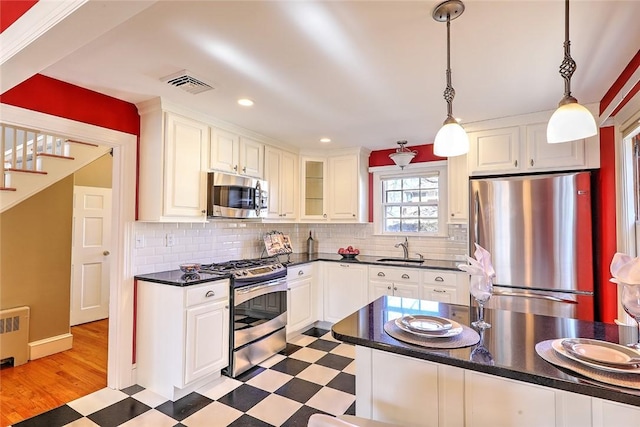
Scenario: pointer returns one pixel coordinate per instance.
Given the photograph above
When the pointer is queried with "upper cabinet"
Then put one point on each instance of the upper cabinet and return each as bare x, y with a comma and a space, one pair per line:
232, 153
281, 174
523, 148
172, 177
335, 188
458, 189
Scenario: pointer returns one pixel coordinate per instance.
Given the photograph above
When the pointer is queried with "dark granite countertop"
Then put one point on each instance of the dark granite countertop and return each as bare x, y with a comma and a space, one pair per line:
296, 259
511, 341
178, 278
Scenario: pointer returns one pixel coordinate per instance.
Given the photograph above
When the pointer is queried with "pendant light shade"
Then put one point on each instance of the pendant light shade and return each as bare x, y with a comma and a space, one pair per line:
571, 121
451, 140
402, 156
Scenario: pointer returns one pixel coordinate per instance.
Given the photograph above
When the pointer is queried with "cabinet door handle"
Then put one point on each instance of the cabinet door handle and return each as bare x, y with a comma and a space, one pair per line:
203, 211
380, 274
395, 289
353, 215
235, 168
300, 273
210, 294
244, 169
324, 215
288, 289
226, 307
439, 279
406, 276
515, 163
531, 162
389, 287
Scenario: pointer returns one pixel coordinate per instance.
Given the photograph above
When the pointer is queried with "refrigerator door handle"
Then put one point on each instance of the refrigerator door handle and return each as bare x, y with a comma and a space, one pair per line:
533, 295
476, 211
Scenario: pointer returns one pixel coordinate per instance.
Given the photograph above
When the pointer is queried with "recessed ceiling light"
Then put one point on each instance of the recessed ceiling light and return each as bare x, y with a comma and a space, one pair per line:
325, 139
245, 102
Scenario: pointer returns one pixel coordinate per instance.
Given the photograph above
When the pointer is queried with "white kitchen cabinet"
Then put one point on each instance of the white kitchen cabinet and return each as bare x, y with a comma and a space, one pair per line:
232, 153
458, 189
345, 289
444, 286
495, 150
281, 174
522, 147
400, 282
172, 177
182, 336
408, 392
335, 188
542, 155
301, 296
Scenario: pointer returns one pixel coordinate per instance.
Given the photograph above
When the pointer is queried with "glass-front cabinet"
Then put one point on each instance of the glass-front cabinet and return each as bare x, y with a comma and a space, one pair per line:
314, 174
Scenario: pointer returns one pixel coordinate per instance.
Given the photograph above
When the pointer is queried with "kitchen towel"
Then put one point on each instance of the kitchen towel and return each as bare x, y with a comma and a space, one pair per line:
625, 269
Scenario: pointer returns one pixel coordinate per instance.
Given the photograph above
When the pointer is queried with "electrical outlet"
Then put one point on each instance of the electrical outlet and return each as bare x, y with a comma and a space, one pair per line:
171, 239
139, 241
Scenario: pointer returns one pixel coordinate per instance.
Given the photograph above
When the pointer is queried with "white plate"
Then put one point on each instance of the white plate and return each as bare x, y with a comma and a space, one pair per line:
455, 329
557, 346
602, 352
421, 323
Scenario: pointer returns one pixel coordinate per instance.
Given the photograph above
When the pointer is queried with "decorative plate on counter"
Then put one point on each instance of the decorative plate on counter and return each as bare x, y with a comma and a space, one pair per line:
557, 346
452, 331
602, 352
429, 324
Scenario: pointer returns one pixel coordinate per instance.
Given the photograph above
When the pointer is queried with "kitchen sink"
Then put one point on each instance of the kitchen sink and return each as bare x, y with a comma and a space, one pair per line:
411, 260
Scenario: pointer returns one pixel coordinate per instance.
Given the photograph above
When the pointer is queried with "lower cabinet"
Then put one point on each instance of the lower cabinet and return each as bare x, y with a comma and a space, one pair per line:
400, 282
413, 392
444, 286
182, 336
345, 289
301, 298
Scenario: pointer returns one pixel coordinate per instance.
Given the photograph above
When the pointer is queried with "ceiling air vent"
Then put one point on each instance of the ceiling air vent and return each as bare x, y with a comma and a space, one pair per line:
187, 82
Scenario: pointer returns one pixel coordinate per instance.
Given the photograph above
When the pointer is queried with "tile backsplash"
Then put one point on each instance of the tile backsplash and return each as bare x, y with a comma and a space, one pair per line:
161, 247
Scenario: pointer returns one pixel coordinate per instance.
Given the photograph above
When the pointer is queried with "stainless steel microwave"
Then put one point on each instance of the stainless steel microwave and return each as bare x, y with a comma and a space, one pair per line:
234, 196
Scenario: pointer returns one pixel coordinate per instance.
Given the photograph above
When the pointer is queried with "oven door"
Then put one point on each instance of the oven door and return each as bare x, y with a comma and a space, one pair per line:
259, 310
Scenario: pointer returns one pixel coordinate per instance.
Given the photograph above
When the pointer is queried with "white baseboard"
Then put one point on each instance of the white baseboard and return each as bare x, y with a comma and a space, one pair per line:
49, 346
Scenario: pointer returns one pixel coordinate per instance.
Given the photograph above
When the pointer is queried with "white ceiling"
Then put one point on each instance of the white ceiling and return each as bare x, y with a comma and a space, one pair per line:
364, 73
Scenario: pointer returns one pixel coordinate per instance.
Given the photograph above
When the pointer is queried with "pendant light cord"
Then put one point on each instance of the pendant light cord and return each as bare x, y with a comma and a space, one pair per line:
568, 65
449, 92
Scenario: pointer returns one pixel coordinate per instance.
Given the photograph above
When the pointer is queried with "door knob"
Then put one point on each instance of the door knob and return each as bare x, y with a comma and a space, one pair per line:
106, 253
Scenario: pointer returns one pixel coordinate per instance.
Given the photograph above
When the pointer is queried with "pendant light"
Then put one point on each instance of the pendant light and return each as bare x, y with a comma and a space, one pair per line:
571, 121
451, 140
402, 156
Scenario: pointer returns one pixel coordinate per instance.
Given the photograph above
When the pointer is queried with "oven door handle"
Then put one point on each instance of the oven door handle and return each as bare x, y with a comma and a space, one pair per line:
256, 288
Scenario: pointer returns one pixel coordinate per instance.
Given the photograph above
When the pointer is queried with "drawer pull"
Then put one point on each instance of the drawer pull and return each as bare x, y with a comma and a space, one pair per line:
440, 291
439, 279
405, 276
380, 274
344, 265
210, 294
300, 273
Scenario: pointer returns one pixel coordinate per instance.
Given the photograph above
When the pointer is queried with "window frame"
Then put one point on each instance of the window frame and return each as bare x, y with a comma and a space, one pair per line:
381, 173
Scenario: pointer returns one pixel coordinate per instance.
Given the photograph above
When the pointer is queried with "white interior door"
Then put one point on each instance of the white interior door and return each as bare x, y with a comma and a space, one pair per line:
90, 254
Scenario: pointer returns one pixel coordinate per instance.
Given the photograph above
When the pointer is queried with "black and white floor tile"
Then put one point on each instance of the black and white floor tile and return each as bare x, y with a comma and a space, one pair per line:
314, 374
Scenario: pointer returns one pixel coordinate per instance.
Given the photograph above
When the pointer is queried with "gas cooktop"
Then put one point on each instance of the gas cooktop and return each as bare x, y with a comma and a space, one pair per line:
248, 269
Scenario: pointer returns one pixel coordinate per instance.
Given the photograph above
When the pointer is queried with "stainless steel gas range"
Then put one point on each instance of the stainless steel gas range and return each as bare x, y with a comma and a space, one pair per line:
259, 310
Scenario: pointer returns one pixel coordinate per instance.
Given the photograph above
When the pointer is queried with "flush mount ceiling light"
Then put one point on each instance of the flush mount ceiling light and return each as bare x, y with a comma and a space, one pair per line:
451, 140
245, 102
571, 121
402, 156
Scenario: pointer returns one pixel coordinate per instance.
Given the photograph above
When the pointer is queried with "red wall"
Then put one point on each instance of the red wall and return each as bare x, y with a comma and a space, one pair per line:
55, 97
10, 11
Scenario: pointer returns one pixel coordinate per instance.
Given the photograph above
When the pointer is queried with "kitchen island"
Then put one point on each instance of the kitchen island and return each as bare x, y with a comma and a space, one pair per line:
509, 385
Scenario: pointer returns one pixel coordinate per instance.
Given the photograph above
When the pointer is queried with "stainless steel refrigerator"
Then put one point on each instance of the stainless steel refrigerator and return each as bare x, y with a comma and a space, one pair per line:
539, 233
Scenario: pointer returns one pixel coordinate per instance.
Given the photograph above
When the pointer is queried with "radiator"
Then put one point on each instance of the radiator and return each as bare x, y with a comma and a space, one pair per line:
14, 335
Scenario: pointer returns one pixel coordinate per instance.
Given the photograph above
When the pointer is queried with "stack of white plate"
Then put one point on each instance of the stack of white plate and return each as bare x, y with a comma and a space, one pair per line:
598, 354
429, 326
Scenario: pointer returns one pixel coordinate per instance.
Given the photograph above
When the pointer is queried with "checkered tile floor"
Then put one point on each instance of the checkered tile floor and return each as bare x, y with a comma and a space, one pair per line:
314, 374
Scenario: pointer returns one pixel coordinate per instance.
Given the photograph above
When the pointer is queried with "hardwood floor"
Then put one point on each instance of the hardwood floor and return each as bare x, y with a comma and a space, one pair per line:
44, 384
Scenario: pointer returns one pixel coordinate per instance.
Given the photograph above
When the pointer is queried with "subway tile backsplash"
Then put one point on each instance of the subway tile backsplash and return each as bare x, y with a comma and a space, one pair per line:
166, 245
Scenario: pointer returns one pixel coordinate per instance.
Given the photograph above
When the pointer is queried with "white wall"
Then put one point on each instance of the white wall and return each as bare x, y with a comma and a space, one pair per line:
223, 240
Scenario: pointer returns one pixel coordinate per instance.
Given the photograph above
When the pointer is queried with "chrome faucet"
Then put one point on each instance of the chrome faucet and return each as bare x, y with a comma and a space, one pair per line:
405, 247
